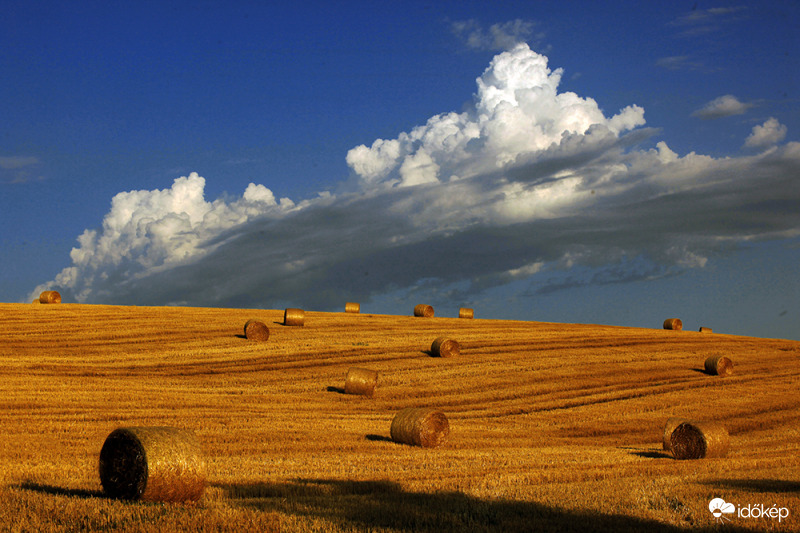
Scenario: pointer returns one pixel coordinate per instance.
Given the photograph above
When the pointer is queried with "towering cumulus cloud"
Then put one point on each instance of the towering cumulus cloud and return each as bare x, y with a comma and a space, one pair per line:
526, 180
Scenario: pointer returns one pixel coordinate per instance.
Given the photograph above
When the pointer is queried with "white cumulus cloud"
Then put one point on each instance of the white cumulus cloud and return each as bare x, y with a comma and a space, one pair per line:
767, 134
724, 106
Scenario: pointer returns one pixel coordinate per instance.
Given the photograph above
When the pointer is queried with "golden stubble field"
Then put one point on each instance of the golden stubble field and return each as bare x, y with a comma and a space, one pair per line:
554, 427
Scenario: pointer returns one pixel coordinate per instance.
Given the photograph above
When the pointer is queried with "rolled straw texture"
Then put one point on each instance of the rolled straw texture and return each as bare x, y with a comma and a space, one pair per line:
706, 330
50, 297
698, 440
352, 307
669, 427
293, 317
157, 464
718, 365
465, 312
361, 381
444, 347
673, 323
423, 310
255, 330
420, 426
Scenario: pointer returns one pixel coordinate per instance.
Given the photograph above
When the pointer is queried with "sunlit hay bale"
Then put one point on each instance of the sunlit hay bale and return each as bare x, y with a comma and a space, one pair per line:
255, 330
669, 427
352, 307
698, 440
50, 297
718, 365
293, 317
163, 464
706, 330
423, 310
444, 347
36, 301
673, 323
361, 381
420, 426
465, 312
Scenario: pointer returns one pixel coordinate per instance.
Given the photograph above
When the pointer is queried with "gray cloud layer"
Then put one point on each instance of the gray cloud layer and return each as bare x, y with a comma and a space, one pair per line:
526, 181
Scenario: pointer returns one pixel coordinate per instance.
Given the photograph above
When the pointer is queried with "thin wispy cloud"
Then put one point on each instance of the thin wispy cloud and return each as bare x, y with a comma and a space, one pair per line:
497, 37
704, 21
20, 169
525, 181
724, 106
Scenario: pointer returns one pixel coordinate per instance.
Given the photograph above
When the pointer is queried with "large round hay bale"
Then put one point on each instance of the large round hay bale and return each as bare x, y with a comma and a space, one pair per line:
698, 440
444, 347
293, 317
423, 310
163, 464
669, 427
352, 307
255, 330
465, 312
673, 323
361, 381
718, 365
420, 426
706, 330
50, 297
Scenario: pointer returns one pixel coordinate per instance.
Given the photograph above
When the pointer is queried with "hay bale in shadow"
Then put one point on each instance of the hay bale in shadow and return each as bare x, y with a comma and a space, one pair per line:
465, 312
255, 330
50, 297
361, 381
673, 324
157, 464
706, 330
420, 426
423, 310
444, 347
669, 427
352, 307
698, 440
293, 317
718, 365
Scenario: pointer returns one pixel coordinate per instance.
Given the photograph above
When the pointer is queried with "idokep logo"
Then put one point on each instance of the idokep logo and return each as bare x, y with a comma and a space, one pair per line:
719, 508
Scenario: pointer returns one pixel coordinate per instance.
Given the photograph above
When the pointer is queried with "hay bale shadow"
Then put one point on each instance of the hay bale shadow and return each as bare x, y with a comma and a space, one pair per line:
340, 390
701, 371
652, 454
60, 491
756, 485
241, 336
378, 438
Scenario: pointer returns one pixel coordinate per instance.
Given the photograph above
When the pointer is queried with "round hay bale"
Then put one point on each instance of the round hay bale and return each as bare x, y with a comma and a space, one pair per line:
352, 307
698, 440
444, 347
293, 317
673, 323
157, 464
361, 381
706, 330
36, 301
669, 427
50, 297
423, 310
465, 312
420, 426
255, 330
718, 365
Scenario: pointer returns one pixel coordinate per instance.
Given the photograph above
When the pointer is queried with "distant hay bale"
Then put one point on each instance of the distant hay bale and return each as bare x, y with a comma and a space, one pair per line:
444, 347
669, 427
706, 330
36, 301
698, 440
423, 310
50, 297
361, 381
293, 317
352, 307
718, 365
673, 323
420, 426
255, 330
465, 312
157, 464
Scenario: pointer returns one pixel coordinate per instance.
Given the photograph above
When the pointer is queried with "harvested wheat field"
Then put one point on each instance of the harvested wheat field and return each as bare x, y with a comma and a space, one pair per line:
552, 427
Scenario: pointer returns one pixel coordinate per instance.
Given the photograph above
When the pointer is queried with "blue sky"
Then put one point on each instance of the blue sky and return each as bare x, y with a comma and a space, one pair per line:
559, 161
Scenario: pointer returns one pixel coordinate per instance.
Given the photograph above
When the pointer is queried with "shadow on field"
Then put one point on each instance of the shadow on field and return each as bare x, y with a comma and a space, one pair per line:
60, 491
339, 390
363, 505
756, 485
